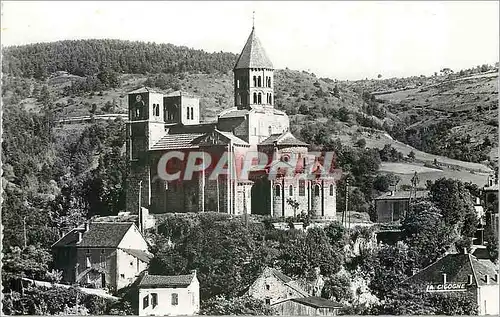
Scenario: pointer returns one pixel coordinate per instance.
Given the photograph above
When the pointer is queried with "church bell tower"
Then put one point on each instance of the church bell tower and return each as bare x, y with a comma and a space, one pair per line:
253, 76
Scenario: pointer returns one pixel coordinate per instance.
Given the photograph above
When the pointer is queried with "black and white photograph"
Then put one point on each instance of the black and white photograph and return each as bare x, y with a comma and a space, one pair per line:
279, 158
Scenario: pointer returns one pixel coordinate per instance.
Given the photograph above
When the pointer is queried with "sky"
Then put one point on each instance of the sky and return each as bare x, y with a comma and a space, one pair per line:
340, 40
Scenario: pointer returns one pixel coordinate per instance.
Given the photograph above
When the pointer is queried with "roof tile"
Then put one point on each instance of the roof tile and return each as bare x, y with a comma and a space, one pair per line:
166, 281
253, 55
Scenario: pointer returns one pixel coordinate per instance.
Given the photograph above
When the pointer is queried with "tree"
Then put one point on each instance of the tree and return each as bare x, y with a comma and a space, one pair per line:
384, 182
453, 200
343, 114
411, 155
337, 288
244, 305
361, 143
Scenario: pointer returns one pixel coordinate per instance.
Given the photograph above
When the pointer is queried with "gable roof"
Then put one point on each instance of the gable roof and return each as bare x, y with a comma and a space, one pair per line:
317, 302
403, 194
139, 254
99, 234
285, 138
177, 141
164, 281
253, 54
179, 93
457, 267
143, 90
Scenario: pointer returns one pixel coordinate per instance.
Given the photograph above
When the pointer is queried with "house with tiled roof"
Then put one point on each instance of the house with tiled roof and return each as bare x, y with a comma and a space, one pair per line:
307, 306
161, 295
462, 272
290, 297
273, 286
102, 254
161, 124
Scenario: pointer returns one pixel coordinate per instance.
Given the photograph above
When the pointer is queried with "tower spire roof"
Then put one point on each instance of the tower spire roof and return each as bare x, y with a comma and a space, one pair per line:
253, 54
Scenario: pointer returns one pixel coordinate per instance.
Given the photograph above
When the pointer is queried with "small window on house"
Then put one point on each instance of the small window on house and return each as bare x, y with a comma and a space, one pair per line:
302, 187
332, 190
175, 299
154, 299
269, 81
290, 190
260, 82
145, 302
192, 113
270, 130
268, 301
131, 263
254, 131
254, 97
255, 81
259, 98
88, 251
268, 287
187, 113
277, 190
237, 83
270, 99
88, 262
316, 190
122, 275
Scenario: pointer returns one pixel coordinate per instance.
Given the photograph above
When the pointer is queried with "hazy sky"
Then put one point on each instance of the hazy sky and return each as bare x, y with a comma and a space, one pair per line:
342, 40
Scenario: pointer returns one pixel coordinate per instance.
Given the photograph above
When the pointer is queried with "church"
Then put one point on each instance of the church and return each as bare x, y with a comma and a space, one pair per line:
160, 123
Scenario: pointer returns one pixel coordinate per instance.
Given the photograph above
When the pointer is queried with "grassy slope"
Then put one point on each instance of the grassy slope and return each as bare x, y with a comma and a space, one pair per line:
469, 103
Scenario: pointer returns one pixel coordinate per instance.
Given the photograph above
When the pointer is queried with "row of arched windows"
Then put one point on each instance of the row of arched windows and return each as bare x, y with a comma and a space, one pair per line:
257, 98
257, 81
316, 189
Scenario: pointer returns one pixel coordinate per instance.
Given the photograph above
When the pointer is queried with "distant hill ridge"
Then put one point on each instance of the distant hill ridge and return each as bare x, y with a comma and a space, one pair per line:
88, 57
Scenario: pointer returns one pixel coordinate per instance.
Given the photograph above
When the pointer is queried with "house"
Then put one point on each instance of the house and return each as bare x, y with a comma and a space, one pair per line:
169, 295
462, 273
307, 306
490, 196
159, 124
102, 254
393, 206
272, 286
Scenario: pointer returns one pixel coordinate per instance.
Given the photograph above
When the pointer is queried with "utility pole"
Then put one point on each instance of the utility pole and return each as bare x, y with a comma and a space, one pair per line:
24, 232
344, 220
140, 205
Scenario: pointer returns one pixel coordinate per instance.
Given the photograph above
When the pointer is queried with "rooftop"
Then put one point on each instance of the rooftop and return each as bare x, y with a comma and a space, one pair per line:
317, 302
285, 138
99, 234
457, 267
164, 281
253, 55
403, 194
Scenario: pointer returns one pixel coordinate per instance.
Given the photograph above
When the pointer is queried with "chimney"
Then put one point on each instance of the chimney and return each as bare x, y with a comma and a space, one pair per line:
444, 278
486, 279
469, 279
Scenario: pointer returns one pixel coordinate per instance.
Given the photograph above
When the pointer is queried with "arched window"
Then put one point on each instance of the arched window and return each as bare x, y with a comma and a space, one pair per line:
270, 130
260, 98
316, 190
302, 187
255, 81
270, 99
290, 191
254, 97
277, 190
269, 82
332, 190
260, 82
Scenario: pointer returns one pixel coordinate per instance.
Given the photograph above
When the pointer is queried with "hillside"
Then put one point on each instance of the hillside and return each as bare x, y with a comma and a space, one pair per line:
448, 116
